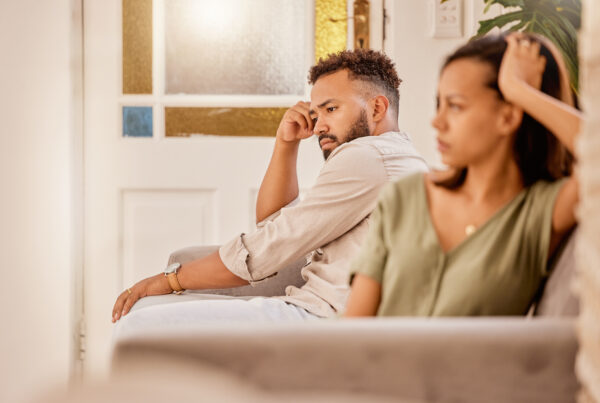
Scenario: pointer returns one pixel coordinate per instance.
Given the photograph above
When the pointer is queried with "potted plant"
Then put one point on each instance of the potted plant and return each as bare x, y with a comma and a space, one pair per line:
557, 20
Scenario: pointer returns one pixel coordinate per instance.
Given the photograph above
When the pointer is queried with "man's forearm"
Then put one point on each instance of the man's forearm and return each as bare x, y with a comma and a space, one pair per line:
207, 273
280, 184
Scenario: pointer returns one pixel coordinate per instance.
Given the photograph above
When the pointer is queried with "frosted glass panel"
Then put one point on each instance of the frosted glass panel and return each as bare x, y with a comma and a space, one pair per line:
236, 47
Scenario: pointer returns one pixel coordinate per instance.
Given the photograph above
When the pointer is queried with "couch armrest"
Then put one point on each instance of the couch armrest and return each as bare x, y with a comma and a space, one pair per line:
290, 275
490, 360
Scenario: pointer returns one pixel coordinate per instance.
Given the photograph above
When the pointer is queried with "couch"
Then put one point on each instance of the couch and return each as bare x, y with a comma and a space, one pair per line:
485, 359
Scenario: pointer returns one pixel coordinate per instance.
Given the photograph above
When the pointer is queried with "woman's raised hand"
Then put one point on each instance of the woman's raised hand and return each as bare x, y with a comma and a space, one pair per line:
521, 65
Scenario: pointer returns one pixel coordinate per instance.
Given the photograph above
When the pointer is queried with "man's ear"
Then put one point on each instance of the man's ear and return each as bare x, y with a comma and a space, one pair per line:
510, 119
379, 106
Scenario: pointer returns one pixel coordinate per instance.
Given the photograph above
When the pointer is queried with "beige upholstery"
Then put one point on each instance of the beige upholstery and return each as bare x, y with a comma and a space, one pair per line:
445, 360
413, 360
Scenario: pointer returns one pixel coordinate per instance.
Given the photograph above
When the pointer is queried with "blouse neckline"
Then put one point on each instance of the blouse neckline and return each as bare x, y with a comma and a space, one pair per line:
478, 230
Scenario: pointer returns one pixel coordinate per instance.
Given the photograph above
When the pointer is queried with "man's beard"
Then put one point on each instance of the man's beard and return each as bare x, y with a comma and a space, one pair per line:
360, 128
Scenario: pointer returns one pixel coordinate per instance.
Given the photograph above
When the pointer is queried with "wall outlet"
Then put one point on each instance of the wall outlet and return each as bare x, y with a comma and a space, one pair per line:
446, 18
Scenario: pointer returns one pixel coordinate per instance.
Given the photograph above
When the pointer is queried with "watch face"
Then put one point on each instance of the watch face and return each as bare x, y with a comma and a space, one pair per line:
172, 268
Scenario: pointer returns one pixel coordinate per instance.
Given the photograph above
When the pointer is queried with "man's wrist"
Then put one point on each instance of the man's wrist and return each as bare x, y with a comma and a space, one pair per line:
287, 147
287, 143
171, 276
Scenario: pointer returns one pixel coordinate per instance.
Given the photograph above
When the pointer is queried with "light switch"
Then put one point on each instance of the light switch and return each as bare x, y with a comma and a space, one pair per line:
446, 18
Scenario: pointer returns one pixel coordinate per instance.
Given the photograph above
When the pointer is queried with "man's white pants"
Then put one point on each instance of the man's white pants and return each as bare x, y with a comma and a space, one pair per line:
172, 315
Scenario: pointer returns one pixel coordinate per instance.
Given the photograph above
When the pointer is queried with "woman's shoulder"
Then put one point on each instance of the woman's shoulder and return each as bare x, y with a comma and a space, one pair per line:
408, 186
544, 189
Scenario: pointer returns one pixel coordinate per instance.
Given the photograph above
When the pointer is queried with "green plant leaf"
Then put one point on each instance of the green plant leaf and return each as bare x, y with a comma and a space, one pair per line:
505, 3
567, 50
558, 20
486, 26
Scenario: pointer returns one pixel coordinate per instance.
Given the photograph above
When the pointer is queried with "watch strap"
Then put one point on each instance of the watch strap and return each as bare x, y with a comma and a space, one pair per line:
174, 283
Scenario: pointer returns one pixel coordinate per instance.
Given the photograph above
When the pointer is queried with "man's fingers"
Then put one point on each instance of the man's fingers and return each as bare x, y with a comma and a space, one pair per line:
123, 304
299, 118
118, 308
131, 299
303, 108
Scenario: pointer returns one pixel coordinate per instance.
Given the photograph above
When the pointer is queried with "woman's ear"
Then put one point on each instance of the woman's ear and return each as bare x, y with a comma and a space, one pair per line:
379, 105
509, 119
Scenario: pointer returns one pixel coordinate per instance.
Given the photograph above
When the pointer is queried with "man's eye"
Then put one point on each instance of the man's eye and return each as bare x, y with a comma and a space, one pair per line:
314, 120
331, 108
454, 107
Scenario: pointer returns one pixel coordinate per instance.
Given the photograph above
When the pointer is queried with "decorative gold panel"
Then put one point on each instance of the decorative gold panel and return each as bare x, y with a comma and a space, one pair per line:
331, 27
183, 122
137, 46
361, 24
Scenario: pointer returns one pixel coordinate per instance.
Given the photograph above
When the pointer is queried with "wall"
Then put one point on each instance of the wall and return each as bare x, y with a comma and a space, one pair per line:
38, 177
418, 58
588, 243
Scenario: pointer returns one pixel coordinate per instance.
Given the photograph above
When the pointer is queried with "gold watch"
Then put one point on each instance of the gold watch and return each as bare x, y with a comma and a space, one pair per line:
171, 275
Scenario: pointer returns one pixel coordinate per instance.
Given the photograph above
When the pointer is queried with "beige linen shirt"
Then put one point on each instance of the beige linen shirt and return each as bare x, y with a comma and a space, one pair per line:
328, 225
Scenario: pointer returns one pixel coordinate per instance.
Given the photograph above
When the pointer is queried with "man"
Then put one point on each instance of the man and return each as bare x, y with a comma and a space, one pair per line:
354, 111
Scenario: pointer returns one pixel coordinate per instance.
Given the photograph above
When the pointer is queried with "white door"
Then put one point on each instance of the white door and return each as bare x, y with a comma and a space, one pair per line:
148, 193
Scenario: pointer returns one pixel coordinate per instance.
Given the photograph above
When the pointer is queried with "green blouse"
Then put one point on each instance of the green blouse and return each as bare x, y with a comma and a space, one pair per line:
497, 270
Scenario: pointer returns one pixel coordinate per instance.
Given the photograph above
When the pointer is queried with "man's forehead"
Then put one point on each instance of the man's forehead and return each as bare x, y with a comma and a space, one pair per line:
323, 104
333, 87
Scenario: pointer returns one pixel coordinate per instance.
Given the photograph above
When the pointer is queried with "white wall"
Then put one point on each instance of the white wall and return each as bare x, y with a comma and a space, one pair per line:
37, 177
418, 58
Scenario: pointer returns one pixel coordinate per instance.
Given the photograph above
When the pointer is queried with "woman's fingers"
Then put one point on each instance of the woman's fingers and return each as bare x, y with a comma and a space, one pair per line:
522, 63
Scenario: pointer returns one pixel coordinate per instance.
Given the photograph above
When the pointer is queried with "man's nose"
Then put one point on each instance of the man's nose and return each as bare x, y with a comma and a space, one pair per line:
320, 127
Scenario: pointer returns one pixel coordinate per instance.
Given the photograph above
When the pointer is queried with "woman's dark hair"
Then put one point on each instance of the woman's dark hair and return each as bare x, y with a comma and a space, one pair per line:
538, 153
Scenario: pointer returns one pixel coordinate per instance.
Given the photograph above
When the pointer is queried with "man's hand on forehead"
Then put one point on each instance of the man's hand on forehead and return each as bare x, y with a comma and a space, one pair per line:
296, 124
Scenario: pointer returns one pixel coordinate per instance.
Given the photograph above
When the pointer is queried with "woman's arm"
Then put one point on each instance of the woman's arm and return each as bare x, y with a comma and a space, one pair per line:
519, 80
365, 297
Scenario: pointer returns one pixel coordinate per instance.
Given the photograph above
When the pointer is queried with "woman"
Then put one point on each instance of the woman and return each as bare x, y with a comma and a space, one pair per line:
476, 239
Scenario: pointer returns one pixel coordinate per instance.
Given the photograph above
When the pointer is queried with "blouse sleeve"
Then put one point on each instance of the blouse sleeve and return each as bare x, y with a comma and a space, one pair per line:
544, 198
372, 257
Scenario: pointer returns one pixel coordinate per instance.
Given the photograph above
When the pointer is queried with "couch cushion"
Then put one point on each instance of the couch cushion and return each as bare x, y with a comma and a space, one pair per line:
446, 360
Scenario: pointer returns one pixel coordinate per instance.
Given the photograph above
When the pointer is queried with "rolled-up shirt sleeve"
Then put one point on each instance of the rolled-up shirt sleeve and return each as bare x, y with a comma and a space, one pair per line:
344, 193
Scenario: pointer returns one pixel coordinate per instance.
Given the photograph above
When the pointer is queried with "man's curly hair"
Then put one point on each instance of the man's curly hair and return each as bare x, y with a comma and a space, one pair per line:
369, 66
